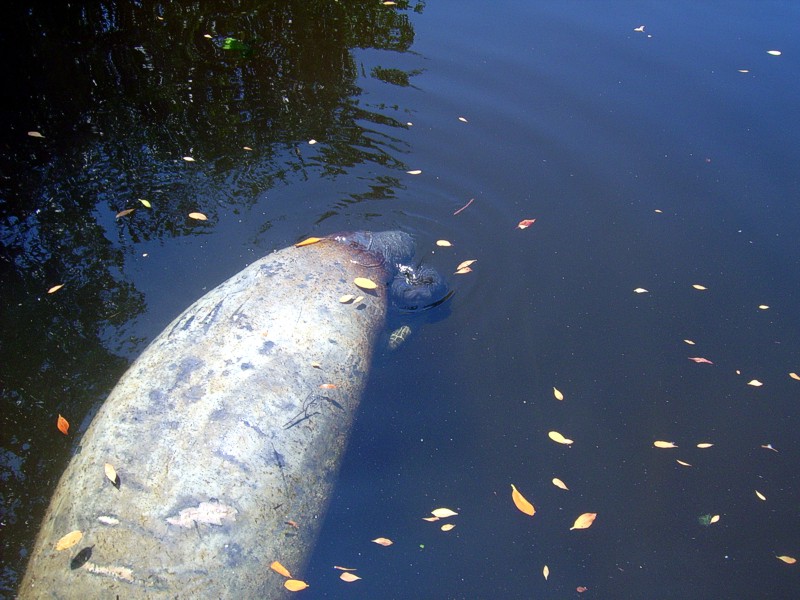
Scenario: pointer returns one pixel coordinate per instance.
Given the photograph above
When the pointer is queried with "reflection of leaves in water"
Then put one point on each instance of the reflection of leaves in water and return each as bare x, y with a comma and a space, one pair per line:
394, 76
704, 520
239, 46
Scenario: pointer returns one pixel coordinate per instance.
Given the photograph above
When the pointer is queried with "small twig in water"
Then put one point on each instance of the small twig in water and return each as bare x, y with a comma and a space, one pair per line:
471, 200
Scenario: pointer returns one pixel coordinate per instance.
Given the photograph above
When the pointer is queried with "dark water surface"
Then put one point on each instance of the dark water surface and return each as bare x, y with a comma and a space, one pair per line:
647, 159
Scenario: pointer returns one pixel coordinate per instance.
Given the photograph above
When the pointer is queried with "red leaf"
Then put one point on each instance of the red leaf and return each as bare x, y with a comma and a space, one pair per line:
63, 425
525, 223
699, 359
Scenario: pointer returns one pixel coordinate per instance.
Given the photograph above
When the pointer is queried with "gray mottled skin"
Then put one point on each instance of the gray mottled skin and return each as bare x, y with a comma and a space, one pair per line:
221, 435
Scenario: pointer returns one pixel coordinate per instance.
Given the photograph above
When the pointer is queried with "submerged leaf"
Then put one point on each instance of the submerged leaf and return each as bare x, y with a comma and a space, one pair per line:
69, 540
521, 502
124, 213
584, 521
35, 134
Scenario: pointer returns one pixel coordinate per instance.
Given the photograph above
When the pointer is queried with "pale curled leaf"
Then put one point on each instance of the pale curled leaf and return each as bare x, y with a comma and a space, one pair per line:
663, 444
704, 445
383, 541
463, 271
55, 288
760, 496
559, 484
466, 263
640, 290
35, 134
349, 577
198, 216
545, 572
789, 560
584, 521
682, 463
697, 286
443, 513
755, 383
443, 243
414, 172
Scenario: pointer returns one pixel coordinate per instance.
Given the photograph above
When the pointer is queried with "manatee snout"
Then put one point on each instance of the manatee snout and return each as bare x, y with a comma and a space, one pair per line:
418, 288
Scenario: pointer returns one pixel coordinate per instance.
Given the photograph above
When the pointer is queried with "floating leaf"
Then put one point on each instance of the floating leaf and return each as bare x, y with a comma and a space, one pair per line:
584, 521
521, 503
704, 445
700, 359
443, 243
466, 263
383, 541
111, 473
198, 216
145, 203
755, 383
344, 568
69, 540
787, 559
311, 142
559, 484
697, 286
690, 342
557, 437
463, 119
308, 242
443, 513
414, 172
557, 393
349, 577
581, 588
279, 568
364, 283
545, 572
35, 134
713, 519
463, 271
760, 495
769, 447
794, 376
763, 306
55, 288
63, 425
640, 291
447, 527
661, 444
295, 585
430, 519
774, 52
248, 148
124, 213
188, 159
639, 29
525, 223
683, 464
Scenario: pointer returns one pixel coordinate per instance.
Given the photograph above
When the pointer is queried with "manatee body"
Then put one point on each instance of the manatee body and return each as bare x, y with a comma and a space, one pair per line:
226, 435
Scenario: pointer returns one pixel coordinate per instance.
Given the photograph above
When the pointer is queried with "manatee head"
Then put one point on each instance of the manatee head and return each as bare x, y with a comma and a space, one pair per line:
418, 288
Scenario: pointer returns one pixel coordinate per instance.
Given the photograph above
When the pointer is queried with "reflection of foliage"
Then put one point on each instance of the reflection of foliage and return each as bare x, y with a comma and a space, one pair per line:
121, 91
394, 76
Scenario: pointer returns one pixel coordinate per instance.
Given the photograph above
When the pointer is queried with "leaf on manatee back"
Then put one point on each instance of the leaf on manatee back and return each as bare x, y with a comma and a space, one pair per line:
383, 541
69, 540
787, 559
521, 502
466, 263
700, 359
559, 484
349, 577
443, 513
63, 425
308, 242
198, 216
662, 444
546, 572
557, 394
584, 521
279, 568
111, 473
447, 527
295, 585
364, 283
557, 437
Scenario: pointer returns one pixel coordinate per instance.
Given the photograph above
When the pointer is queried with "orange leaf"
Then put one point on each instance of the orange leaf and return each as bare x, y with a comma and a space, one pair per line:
327, 386
63, 425
447, 527
584, 521
349, 577
521, 503
525, 223
308, 242
295, 585
279, 568
383, 541
69, 540
787, 559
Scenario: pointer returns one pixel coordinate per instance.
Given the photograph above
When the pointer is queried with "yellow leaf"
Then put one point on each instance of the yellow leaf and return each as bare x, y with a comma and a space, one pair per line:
697, 286
443, 513
660, 444
443, 243
347, 298
383, 541
683, 464
559, 484
198, 216
308, 242
787, 559
557, 393
279, 568
447, 527
349, 577
794, 376
430, 519
546, 572
557, 437
755, 383
55, 288
364, 283
584, 521
295, 585
521, 503
704, 445
145, 203
466, 263
69, 540
111, 473
760, 495
713, 520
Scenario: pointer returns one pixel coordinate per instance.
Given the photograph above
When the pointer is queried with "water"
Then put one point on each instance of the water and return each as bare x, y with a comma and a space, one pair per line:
647, 159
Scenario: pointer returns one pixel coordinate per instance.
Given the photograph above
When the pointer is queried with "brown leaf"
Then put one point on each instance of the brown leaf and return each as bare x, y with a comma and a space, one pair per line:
279, 568
124, 213
521, 502
69, 540
295, 585
383, 541
349, 577
584, 521
63, 425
